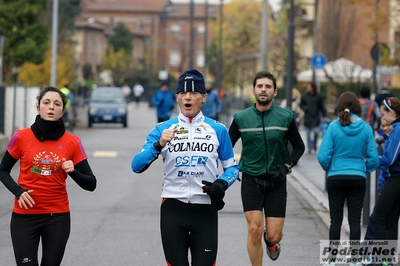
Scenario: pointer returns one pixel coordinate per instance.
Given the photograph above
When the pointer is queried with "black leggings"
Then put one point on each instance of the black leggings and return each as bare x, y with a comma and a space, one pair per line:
385, 217
189, 226
353, 191
28, 229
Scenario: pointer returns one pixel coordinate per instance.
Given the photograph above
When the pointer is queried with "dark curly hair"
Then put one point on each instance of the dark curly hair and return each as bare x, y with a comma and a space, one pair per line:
49, 88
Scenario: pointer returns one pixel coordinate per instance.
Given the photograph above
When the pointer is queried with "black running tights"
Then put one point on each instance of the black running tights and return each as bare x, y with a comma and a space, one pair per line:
189, 226
28, 229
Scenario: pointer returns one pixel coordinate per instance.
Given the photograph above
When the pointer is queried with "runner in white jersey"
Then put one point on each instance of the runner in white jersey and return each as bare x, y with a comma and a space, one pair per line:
192, 146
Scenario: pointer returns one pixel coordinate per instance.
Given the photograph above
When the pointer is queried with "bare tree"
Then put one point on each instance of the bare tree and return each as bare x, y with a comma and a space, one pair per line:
336, 36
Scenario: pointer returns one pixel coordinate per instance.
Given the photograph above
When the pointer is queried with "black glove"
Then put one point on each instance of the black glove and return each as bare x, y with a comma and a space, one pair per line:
216, 191
281, 175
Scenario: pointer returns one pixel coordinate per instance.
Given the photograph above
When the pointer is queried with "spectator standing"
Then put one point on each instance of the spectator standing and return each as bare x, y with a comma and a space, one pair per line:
127, 91
314, 110
138, 91
265, 129
222, 94
164, 100
386, 128
295, 108
390, 192
71, 101
192, 188
383, 93
348, 151
83, 93
47, 155
213, 104
370, 111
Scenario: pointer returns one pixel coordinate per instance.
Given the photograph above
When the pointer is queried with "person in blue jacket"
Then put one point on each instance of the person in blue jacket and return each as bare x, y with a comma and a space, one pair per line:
347, 152
164, 100
192, 146
390, 193
213, 104
385, 128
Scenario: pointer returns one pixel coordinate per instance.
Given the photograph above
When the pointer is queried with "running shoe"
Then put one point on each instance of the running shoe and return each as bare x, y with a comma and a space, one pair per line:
273, 255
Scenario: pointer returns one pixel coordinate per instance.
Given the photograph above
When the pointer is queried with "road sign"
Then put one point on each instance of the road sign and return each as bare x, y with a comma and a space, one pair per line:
318, 61
377, 50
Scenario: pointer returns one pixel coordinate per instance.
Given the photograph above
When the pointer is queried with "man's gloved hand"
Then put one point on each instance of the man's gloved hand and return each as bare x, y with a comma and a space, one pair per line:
216, 191
281, 174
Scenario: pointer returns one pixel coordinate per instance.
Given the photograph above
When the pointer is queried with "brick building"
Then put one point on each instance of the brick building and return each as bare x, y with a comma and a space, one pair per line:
161, 31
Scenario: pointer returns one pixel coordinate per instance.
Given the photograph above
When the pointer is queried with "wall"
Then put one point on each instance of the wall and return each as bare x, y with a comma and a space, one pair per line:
21, 114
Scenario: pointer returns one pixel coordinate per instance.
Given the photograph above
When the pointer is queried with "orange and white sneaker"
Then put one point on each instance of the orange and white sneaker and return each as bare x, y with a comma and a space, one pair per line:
274, 251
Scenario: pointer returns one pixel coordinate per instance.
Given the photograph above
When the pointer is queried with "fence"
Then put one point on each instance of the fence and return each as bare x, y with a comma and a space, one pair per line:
17, 108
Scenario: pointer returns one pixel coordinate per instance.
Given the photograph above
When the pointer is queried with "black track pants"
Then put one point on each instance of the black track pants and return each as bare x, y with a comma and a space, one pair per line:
26, 232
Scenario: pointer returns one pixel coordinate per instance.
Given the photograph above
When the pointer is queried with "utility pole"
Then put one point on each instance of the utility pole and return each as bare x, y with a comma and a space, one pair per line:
289, 66
375, 87
2, 39
264, 36
151, 57
54, 34
315, 36
191, 48
205, 37
219, 64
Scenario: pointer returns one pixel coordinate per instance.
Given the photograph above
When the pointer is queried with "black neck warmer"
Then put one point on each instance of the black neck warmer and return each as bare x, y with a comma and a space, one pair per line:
48, 130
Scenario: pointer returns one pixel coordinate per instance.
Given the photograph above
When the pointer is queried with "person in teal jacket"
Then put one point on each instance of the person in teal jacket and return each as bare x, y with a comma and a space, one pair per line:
348, 152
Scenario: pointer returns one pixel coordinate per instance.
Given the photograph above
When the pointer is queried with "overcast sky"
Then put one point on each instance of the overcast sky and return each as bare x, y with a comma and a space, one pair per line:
273, 3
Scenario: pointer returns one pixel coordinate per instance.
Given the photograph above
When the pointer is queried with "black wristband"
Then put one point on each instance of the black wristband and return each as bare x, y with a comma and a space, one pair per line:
157, 146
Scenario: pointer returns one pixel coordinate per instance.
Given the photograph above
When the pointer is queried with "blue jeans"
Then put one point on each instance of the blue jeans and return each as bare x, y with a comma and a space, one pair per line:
312, 142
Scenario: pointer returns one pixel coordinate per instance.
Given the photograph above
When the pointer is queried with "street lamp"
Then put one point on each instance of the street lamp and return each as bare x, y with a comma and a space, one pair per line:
14, 72
191, 46
151, 56
207, 12
2, 38
264, 36
205, 70
54, 34
163, 17
219, 63
289, 65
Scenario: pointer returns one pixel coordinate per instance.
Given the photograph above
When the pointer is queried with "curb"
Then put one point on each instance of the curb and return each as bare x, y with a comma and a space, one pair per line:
317, 199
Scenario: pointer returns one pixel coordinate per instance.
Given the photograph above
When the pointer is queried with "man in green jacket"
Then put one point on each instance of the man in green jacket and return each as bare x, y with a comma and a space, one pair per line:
265, 130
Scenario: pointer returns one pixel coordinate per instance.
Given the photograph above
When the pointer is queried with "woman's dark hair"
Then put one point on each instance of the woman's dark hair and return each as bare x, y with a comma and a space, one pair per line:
264, 74
49, 88
391, 103
348, 103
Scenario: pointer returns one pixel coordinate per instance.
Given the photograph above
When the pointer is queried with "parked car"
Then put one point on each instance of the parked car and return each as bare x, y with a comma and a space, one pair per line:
107, 105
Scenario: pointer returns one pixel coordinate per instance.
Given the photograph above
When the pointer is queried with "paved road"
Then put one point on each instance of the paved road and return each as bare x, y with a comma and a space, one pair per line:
118, 224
